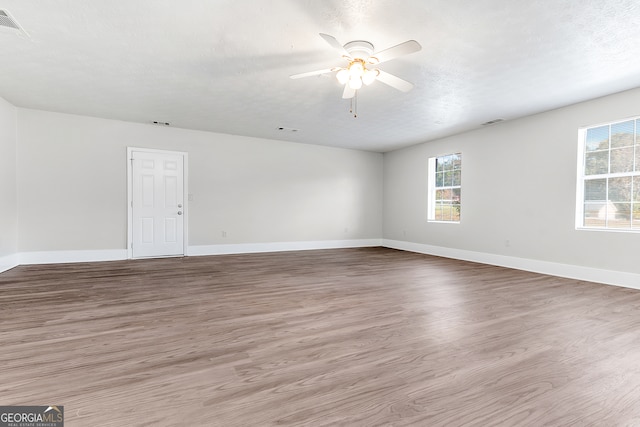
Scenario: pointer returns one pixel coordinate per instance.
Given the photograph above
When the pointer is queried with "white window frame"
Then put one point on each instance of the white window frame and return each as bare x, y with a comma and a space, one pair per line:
431, 189
581, 177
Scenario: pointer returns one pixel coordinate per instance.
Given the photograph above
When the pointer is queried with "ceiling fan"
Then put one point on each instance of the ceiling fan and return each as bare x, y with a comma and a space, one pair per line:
362, 59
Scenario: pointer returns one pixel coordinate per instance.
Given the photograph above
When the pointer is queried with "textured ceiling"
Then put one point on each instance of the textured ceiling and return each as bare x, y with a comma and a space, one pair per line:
223, 66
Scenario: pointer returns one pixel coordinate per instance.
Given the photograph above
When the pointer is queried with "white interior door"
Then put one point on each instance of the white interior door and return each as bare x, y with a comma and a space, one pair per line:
157, 204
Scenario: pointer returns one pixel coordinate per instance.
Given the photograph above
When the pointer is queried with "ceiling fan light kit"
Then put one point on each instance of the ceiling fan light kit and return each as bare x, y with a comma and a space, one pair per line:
360, 54
356, 74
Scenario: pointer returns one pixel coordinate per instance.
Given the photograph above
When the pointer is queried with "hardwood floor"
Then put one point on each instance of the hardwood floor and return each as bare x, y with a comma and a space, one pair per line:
353, 337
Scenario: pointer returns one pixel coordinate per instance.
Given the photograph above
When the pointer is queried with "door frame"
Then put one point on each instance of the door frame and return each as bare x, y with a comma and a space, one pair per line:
185, 186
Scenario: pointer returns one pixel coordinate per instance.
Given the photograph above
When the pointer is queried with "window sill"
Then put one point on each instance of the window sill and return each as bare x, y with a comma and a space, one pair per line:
614, 230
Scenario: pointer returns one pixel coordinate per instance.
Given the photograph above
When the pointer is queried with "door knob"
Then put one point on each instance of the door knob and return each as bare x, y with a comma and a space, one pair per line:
180, 205
179, 212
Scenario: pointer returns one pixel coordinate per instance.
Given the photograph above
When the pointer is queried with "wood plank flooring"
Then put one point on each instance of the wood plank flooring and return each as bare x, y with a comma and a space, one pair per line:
349, 337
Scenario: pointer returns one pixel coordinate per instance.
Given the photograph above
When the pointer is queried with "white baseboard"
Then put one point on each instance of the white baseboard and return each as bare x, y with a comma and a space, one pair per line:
8, 262
246, 248
608, 277
60, 257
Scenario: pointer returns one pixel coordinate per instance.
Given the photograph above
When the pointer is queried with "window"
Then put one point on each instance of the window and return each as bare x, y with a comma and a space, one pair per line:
609, 177
444, 188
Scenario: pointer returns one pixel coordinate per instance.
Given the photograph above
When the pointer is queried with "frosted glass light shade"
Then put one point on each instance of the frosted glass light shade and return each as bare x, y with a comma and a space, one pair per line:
369, 77
356, 69
343, 76
355, 83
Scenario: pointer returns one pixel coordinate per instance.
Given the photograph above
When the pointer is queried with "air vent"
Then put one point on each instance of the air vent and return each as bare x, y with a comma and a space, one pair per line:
492, 122
155, 122
7, 21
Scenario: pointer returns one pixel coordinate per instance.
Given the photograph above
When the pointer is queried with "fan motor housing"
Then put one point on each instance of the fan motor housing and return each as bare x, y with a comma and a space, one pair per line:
359, 49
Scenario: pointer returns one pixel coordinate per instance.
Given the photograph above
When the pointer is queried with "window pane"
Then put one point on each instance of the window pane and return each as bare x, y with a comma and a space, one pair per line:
448, 195
637, 165
438, 212
448, 178
444, 163
596, 163
457, 177
455, 212
439, 179
597, 138
595, 214
457, 161
443, 195
636, 216
455, 195
622, 134
595, 189
619, 215
622, 160
610, 213
620, 189
636, 188
448, 163
443, 212
446, 212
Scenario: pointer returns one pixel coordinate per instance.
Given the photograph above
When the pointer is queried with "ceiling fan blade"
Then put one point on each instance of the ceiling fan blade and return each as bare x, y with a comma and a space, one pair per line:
312, 73
405, 48
348, 92
335, 44
394, 82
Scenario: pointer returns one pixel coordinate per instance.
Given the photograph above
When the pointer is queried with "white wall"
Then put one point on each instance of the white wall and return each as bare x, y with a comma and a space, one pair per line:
518, 184
73, 192
8, 186
518, 180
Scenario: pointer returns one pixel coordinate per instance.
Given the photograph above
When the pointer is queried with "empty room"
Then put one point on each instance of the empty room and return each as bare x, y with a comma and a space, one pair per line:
320, 213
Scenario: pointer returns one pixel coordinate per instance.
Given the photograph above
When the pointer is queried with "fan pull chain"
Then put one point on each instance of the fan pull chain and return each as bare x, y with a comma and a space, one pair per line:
353, 108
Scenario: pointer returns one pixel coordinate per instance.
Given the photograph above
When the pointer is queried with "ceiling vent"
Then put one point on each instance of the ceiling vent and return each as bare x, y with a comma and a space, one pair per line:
7, 21
492, 122
284, 129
